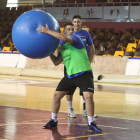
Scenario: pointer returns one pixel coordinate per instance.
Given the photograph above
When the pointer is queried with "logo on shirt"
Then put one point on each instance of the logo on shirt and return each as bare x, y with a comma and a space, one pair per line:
64, 49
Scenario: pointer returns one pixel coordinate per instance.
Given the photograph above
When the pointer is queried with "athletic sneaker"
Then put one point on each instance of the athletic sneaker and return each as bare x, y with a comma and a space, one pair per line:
95, 116
71, 113
94, 127
50, 124
84, 114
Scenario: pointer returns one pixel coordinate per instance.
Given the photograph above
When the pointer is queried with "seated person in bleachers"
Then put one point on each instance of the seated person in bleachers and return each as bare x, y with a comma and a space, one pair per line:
7, 40
1, 31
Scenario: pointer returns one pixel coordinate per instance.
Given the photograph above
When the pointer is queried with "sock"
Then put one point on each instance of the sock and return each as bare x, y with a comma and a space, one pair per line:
54, 117
84, 105
90, 119
69, 104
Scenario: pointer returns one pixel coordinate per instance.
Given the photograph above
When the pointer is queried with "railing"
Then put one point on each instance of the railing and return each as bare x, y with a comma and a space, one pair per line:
22, 4
85, 4
101, 13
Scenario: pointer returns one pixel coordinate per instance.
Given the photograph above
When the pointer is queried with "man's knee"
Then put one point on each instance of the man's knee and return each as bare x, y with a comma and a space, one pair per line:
58, 95
88, 96
55, 96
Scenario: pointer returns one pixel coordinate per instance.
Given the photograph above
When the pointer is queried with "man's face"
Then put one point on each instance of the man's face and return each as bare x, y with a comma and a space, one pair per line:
69, 30
77, 23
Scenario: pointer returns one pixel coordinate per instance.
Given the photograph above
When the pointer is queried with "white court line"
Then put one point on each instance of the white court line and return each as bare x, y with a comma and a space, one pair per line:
62, 123
6, 79
23, 82
76, 113
32, 83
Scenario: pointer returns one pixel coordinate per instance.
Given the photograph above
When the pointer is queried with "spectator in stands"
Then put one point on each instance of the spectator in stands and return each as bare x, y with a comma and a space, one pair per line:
7, 40
1, 31
11, 22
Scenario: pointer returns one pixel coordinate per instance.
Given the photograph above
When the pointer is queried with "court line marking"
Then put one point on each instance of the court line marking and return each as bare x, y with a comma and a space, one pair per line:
119, 118
98, 125
86, 136
20, 123
23, 82
26, 122
76, 113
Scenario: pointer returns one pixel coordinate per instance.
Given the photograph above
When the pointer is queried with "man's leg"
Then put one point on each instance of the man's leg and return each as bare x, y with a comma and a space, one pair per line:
58, 95
90, 111
89, 103
69, 98
64, 87
84, 113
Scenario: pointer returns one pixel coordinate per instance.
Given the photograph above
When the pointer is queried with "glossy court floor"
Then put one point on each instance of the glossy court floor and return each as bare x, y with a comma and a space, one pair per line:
25, 104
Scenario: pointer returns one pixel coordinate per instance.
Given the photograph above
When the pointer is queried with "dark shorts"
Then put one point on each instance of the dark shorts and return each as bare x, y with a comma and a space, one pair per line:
72, 90
84, 82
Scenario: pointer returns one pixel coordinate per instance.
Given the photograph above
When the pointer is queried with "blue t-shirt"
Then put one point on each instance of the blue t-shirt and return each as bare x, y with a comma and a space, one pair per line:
78, 44
86, 38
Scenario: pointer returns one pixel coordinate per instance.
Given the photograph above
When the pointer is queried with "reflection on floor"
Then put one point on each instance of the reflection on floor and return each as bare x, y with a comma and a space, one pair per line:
25, 105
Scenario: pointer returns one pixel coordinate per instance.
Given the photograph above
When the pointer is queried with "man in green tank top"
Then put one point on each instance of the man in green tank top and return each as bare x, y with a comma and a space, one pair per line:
79, 73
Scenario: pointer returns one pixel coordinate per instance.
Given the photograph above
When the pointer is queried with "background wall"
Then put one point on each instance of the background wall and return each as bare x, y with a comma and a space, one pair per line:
3, 4
118, 26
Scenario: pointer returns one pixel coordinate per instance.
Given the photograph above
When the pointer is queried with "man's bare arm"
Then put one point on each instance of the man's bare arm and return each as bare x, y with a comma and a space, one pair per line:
58, 50
56, 59
57, 35
92, 53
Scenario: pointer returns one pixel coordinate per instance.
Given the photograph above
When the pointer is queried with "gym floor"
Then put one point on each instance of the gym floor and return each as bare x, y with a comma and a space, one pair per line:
25, 106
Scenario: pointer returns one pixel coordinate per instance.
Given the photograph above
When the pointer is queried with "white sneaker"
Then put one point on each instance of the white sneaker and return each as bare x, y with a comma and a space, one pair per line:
71, 113
84, 114
95, 116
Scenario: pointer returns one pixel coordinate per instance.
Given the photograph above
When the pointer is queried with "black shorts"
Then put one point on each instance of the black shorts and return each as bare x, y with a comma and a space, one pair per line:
65, 71
84, 82
73, 90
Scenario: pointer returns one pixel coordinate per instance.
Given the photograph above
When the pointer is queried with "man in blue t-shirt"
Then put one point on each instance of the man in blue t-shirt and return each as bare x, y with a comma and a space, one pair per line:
86, 38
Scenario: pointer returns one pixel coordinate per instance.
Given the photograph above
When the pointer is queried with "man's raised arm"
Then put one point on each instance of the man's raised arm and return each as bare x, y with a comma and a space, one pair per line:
57, 35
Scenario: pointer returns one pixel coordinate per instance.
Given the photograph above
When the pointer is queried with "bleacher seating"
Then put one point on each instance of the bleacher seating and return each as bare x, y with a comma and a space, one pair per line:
106, 41
137, 53
123, 43
7, 19
130, 50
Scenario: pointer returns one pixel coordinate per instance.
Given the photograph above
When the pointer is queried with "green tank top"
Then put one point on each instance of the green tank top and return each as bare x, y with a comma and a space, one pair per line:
75, 60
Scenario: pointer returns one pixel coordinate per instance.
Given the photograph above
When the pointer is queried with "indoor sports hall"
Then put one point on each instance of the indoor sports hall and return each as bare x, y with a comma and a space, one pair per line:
27, 85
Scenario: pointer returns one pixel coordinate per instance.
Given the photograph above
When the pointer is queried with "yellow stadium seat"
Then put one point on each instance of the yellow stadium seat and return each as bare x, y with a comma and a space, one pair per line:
6, 49
119, 53
13, 48
107, 55
130, 50
139, 41
62, 30
136, 56
131, 47
16, 52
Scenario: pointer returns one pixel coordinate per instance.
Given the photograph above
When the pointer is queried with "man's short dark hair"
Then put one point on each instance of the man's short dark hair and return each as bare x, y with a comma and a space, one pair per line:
76, 16
68, 24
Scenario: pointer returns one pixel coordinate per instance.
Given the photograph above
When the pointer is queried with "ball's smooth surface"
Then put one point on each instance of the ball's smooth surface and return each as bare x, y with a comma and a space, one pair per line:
28, 41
